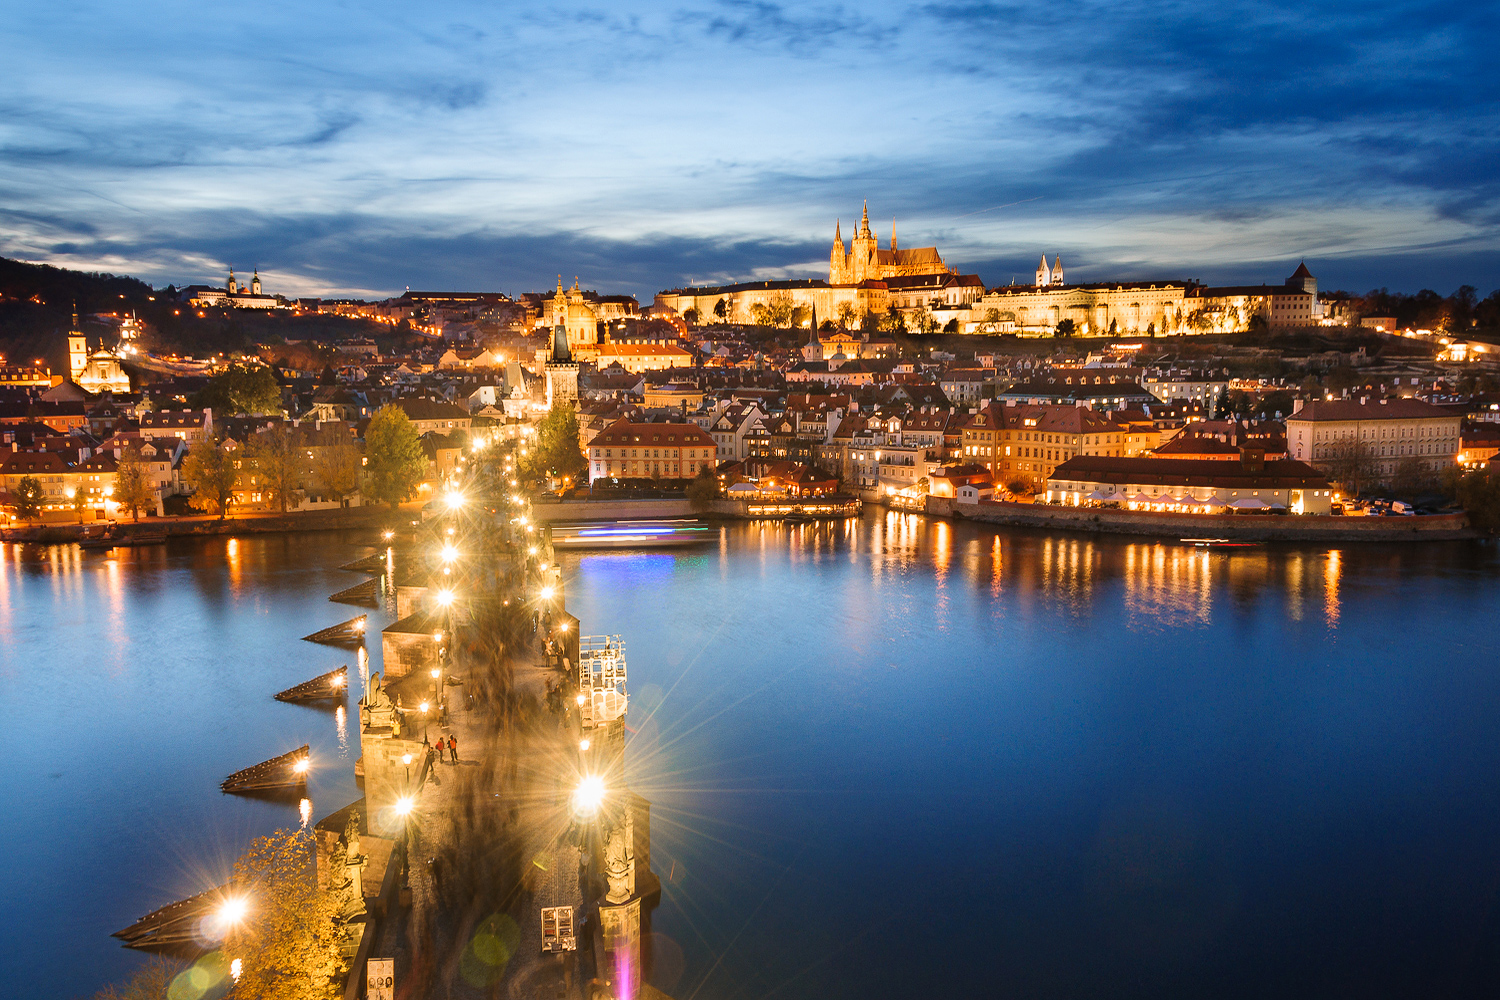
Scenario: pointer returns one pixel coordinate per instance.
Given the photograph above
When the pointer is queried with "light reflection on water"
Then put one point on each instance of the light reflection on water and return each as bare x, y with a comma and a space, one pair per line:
871, 746
148, 674
889, 749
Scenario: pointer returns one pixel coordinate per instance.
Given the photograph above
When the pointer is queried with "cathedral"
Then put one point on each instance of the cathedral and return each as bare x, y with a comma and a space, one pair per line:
97, 371
865, 261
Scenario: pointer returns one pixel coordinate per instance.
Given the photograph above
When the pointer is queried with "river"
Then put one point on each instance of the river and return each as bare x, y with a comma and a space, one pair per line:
885, 756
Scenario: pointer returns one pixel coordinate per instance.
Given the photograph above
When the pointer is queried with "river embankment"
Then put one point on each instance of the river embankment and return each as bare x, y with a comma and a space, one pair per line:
337, 519
1240, 527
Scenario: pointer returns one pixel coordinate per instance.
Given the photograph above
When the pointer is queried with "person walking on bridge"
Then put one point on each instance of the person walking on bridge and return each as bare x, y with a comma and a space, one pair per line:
453, 748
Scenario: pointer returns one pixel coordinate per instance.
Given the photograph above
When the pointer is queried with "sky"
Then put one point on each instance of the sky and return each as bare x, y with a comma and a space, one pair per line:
359, 148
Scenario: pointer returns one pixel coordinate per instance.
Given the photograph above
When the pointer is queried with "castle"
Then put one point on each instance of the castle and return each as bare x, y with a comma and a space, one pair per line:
865, 261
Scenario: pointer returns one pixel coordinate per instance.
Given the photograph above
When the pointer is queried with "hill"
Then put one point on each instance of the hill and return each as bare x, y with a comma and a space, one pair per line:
37, 302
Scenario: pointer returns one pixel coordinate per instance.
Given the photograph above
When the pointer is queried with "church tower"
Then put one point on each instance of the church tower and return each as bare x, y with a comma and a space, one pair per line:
1057, 275
862, 250
255, 283
1043, 273
78, 351
838, 259
234, 286
561, 369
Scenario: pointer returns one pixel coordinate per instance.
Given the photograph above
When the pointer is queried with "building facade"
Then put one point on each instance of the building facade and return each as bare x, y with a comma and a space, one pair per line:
1382, 434
626, 450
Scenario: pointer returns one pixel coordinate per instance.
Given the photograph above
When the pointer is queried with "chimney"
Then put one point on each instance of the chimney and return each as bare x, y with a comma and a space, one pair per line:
1296, 407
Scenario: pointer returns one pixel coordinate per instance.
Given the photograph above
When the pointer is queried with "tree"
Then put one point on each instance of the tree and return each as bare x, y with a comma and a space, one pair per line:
208, 470
78, 500
721, 310
336, 467
1352, 464
152, 981
289, 941
241, 388
1412, 477
703, 489
1064, 328
1479, 493
277, 461
557, 452
848, 314
691, 316
395, 462
29, 498
133, 489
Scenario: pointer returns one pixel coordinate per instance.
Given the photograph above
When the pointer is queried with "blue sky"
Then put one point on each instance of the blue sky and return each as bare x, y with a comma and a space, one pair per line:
361, 147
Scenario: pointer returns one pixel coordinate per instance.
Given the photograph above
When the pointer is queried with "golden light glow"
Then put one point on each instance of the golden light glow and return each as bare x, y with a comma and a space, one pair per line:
583, 744
233, 910
444, 597
588, 796
404, 805
546, 593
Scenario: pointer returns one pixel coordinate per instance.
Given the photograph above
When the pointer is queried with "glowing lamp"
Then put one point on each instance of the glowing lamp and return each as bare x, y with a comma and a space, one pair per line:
546, 593
581, 699
583, 744
302, 765
588, 796
404, 805
445, 597
233, 910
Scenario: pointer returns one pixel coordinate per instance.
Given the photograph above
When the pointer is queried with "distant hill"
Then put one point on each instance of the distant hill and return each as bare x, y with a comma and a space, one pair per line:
37, 300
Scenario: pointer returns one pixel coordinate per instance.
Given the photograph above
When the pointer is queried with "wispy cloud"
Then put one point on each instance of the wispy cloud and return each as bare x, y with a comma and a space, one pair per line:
375, 146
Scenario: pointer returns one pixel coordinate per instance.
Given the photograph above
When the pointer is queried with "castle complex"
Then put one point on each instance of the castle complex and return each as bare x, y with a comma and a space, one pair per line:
863, 278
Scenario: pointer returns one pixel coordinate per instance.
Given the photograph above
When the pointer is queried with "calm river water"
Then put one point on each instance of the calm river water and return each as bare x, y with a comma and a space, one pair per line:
887, 757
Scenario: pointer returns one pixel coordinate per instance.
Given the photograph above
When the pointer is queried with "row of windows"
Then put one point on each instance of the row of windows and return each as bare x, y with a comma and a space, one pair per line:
650, 452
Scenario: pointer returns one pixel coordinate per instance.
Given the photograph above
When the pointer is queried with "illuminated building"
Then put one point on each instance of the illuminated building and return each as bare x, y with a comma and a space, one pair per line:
1185, 485
1382, 433
626, 450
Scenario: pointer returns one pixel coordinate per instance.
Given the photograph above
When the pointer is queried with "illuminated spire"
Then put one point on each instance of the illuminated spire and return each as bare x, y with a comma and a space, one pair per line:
893, 232
838, 233
864, 222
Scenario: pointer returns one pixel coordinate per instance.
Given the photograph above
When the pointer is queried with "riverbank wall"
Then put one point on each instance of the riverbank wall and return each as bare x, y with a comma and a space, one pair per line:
1241, 527
248, 524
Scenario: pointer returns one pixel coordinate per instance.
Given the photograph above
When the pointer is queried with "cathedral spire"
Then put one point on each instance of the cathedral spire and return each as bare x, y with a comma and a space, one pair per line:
893, 232
838, 232
864, 222
75, 314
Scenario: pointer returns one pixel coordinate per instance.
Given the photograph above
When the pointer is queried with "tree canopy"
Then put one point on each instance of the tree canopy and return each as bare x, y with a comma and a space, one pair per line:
289, 942
133, 489
241, 388
395, 462
208, 470
277, 462
29, 497
556, 452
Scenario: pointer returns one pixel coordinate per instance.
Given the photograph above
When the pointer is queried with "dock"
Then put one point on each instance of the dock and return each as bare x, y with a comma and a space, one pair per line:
325, 687
175, 927
349, 634
369, 564
367, 594
287, 771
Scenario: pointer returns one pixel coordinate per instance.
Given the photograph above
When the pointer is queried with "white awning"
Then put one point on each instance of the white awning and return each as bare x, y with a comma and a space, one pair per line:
1248, 503
1099, 495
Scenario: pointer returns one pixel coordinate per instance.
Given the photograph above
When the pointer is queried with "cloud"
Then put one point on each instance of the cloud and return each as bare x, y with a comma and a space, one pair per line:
643, 147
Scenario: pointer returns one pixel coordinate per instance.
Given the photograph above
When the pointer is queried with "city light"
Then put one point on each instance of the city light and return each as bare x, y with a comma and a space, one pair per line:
404, 805
449, 552
444, 597
232, 910
423, 707
406, 759
583, 744
302, 765
388, 535
455, 501
588, 796
546, 594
